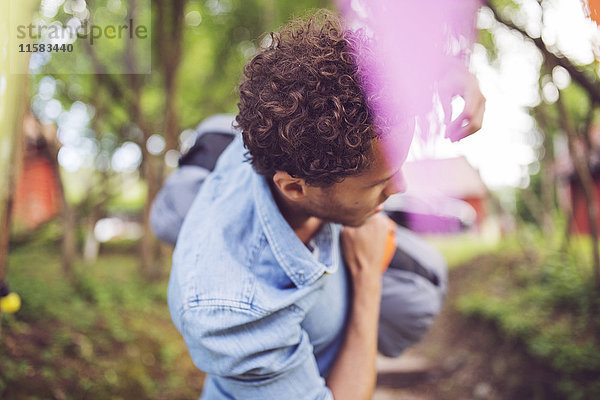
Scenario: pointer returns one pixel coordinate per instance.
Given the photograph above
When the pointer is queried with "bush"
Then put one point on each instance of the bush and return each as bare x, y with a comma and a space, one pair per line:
552, 308
104, 333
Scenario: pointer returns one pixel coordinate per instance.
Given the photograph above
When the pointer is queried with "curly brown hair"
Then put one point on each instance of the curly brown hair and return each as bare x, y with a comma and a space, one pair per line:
302, 109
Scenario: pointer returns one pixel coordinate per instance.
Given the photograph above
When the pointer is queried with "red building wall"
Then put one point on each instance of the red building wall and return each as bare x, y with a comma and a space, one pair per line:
580, 218
37, 193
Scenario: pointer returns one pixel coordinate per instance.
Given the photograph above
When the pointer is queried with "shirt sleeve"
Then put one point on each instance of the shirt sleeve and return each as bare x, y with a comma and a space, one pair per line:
173, 201
254, 355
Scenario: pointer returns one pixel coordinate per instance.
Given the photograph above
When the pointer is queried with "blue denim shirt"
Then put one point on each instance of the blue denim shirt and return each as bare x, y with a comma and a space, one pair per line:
260, 313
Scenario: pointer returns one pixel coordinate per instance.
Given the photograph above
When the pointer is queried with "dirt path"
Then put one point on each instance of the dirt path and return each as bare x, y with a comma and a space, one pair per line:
459, 358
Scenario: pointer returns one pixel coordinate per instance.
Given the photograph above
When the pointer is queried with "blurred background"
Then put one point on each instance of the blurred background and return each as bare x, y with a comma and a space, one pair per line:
88, 135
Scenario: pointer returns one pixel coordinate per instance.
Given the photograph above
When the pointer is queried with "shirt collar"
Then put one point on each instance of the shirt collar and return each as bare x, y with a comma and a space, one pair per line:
292, 255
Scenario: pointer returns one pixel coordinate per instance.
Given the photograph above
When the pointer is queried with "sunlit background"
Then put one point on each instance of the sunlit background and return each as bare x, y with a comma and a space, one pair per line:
85, 145
505, 149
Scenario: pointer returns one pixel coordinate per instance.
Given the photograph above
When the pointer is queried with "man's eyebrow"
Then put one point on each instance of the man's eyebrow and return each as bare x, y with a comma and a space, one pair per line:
386, 179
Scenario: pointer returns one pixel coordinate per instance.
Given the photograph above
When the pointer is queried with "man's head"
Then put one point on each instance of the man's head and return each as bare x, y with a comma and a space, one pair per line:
349, 202
307, 125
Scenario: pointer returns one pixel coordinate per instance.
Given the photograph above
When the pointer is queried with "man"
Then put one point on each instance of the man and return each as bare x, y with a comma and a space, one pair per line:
273, 298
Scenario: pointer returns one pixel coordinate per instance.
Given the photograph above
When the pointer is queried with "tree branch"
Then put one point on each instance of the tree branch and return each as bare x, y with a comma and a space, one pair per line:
581, 78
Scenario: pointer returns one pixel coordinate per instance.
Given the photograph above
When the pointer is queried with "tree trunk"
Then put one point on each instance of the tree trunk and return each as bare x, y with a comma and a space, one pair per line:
535, 208
15, 89
584, 174
9, 168
148, 244
548, 179
68, 247
170, 35
149, 249
171, 125
69, 237
91, 246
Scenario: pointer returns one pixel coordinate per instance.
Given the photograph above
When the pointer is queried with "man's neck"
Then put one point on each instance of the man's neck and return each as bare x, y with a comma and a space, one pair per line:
304, 225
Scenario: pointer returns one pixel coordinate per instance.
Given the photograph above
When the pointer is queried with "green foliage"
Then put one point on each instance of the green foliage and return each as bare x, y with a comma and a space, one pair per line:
523, 212
105, 333
214, 48
459, 249
507, 6
551, 306
486, 39
215, 51
577, 104
130, 199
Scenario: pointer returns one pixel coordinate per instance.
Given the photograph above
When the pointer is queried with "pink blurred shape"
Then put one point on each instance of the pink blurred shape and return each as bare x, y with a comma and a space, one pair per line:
414, 62
411, 59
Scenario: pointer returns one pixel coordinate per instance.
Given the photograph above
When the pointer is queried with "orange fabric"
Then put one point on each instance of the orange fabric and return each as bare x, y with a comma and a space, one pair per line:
390, 249
594, 9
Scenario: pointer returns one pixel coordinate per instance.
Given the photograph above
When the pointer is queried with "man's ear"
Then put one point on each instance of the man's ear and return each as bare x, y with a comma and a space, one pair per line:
292, 188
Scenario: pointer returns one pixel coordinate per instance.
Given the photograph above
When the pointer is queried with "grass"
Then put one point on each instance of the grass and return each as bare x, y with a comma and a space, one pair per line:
461, 248
106, 333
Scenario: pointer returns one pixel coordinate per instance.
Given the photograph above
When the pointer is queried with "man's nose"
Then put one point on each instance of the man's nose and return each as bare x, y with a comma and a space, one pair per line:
396, 185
